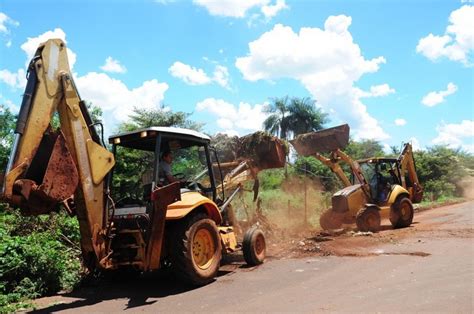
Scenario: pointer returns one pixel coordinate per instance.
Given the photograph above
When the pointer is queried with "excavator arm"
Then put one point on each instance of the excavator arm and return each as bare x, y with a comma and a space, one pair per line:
406, 163
331, 141
48, 167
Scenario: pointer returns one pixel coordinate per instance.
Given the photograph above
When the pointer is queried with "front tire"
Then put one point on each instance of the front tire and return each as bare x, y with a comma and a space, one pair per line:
197, 252
401, 213
368, 219
254, 246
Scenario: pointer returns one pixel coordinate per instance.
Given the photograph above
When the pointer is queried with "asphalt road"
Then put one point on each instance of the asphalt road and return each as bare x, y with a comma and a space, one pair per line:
428, 267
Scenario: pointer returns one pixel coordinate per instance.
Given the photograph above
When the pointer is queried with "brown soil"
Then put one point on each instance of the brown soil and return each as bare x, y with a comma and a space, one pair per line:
350, 242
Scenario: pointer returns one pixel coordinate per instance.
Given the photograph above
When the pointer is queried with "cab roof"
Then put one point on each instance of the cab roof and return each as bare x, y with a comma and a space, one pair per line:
145, 138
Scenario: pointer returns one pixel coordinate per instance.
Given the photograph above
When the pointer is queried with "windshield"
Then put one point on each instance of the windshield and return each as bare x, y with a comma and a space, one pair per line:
190, 165
134, 172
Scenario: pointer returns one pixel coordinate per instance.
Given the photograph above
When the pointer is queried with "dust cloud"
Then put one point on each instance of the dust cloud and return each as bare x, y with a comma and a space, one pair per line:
467, 187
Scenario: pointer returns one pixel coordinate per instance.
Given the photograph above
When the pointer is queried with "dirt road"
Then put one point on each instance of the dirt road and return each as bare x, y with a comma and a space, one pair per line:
427, 267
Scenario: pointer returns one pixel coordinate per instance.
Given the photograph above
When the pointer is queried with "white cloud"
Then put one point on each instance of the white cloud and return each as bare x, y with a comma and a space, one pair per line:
415, 144
435, 98
221, 76
114, 96
230, 8
9, 104
381, 90
457, 44
188, 74
231, 118
326, 61
5, 22
272, 10
400, 122
164, 2
113, 66
16, 80
454, 135
376, 91
241, 8
32, 43
194, 76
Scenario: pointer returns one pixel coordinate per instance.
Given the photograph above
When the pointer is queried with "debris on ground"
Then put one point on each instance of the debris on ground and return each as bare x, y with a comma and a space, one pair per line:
361, 234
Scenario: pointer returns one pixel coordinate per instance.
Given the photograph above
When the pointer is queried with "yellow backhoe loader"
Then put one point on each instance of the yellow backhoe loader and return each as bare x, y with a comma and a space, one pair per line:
376, 187
182, 224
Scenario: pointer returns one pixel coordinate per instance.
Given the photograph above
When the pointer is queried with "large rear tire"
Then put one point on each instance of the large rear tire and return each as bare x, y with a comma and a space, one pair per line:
254, 247
368, 219
401, 213
197, 251
330, 220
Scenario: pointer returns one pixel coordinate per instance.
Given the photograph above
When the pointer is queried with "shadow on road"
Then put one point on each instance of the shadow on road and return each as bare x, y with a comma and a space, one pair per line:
137, 288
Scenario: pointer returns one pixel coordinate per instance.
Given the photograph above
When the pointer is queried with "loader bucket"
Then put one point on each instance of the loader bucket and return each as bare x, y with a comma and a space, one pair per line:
323, 141
264, 150
51, 178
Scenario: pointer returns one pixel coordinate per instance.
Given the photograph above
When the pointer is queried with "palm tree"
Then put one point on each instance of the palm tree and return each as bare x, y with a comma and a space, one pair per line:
289, 118
277, 123
304, 117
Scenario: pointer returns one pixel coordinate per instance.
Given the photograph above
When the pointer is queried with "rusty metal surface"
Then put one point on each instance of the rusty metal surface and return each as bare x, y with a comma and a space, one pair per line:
324, 141
48, 183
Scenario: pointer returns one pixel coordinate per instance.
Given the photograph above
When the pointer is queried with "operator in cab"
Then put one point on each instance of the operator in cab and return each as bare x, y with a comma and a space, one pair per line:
164, 169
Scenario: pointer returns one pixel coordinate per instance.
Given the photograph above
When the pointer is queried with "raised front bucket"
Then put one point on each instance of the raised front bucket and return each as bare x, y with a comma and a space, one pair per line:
264, 150
323, 141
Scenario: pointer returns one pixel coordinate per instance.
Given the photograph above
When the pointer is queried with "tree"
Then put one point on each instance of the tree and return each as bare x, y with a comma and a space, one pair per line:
277, 123
304, 117
314, 169
441, 170
7, 125
144, 118
364, 149
291, 117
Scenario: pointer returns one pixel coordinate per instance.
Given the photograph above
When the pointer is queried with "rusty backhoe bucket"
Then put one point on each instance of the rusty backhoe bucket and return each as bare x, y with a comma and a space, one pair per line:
323, 141
51, 178
264, 150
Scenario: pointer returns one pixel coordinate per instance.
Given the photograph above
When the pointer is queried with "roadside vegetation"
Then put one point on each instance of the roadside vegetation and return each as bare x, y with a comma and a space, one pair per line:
41, 255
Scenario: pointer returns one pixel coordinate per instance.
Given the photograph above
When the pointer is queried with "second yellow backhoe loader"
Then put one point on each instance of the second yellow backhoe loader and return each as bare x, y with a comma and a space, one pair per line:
376, 187
182, 224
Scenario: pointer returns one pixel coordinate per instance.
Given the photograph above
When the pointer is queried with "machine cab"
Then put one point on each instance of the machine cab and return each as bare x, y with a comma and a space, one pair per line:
190, 164
381, 174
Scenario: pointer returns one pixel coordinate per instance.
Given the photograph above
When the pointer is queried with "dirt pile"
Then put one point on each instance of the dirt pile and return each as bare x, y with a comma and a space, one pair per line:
265, 150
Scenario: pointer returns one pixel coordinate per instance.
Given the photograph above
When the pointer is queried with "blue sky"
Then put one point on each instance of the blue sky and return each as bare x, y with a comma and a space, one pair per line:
394, 70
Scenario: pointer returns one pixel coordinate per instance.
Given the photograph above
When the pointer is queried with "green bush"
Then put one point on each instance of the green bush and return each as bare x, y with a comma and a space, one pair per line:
38, 256
436, 189
271, 179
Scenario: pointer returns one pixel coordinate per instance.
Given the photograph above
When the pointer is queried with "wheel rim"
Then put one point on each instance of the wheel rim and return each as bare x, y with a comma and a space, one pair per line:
203, 248
260, 245
405, 210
